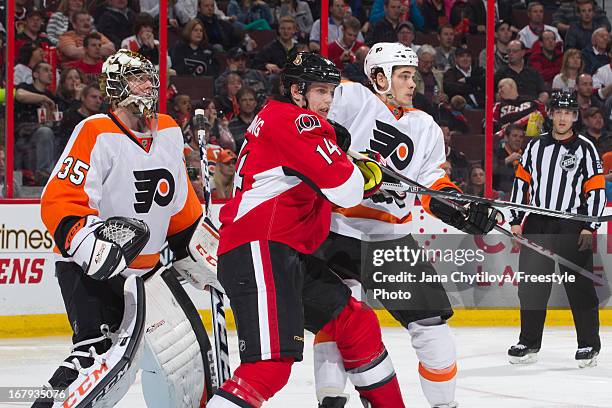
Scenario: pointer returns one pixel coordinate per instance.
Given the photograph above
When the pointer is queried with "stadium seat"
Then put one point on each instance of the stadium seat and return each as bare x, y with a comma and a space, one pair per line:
475, 118
519, 18
422, 38
173, 38
473, 145
476, 43
262, 37
548, 16
221, 58
196, 87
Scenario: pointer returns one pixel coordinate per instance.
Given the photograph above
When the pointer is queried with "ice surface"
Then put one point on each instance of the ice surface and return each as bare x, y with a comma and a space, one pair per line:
485, 377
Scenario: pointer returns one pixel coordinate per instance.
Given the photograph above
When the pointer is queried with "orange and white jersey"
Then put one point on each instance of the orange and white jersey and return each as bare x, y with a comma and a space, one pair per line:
107, 172
412, 145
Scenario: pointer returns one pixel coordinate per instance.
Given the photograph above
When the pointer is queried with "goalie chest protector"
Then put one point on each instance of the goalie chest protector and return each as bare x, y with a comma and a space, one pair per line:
105, 172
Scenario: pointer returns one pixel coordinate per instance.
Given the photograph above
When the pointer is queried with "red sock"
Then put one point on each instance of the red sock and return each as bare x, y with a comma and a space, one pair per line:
387, 395
357, 333
257, 382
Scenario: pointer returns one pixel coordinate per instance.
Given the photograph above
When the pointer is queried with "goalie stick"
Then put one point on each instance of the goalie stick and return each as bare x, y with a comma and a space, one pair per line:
221, 351
446, 200
493, 202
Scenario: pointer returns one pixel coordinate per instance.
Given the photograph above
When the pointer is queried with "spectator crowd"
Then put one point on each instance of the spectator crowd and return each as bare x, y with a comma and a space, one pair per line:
541, 47
226, 57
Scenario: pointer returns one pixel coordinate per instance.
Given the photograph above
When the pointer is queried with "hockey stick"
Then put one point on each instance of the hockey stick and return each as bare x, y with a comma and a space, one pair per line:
216, 297
493, 202
445, 200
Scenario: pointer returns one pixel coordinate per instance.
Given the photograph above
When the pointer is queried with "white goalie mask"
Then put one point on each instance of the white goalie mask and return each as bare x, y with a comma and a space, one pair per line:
125, 78
386, 56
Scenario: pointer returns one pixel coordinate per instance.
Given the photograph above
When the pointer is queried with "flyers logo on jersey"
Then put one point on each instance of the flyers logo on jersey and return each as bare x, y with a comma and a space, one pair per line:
392, 144
306, 122
155, 185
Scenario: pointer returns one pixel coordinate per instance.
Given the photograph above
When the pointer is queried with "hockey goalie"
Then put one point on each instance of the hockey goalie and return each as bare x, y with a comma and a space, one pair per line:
119, 191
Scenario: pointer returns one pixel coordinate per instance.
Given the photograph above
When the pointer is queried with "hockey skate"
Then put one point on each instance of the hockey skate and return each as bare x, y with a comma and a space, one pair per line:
521, 354
82, 356
586, 357
99, 371
333, 402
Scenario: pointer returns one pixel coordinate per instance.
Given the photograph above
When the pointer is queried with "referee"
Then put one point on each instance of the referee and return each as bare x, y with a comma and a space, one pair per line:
559, 170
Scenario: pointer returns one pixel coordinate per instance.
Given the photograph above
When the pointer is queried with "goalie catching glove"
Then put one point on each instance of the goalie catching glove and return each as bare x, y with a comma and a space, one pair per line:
478, 219
105, 248
199, 267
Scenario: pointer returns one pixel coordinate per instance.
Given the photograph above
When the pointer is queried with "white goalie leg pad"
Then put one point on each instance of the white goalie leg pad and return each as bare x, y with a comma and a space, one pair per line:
105, 382
174, 363
435, 348
329, 372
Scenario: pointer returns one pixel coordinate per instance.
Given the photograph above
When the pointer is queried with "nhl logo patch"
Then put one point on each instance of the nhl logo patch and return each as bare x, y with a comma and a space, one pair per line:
568, 161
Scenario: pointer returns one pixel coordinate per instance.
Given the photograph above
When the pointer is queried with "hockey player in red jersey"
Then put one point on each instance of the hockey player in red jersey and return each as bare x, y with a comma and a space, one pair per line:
381, 119
289, 173
119, 191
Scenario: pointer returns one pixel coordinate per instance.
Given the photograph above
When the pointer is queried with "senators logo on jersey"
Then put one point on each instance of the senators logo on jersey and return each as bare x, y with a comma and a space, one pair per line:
392, 145
155, 185
306, 122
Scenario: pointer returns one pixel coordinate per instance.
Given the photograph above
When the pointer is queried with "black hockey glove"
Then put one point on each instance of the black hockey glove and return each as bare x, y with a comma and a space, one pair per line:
343, 137
479, 218
389, 196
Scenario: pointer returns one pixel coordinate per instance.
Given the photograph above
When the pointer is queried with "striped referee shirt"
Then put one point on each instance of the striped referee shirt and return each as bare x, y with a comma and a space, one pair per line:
561, 175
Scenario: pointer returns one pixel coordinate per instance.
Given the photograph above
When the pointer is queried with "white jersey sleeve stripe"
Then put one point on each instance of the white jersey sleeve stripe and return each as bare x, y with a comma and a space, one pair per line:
349, 193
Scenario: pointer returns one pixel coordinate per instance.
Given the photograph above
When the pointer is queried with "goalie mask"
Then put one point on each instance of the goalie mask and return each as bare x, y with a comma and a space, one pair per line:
131, 81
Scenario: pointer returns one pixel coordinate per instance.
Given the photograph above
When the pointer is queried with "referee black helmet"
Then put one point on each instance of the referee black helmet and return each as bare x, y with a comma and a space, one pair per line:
563, 100
303, 68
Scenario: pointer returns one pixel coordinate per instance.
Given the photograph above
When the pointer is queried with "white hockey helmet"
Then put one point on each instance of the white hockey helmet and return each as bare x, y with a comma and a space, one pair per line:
386, 56
118, 69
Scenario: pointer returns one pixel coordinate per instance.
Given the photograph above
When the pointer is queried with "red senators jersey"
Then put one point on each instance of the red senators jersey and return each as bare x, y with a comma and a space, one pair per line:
289, 172
104, 171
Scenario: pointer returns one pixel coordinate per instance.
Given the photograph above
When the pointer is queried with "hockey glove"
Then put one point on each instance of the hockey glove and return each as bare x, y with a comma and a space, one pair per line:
343, 137
105, 248
389, 197
372, 173
478, 219
199, 267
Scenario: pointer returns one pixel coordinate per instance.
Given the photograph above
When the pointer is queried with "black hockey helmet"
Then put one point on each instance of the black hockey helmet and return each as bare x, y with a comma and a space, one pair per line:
303, 68
563, 100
